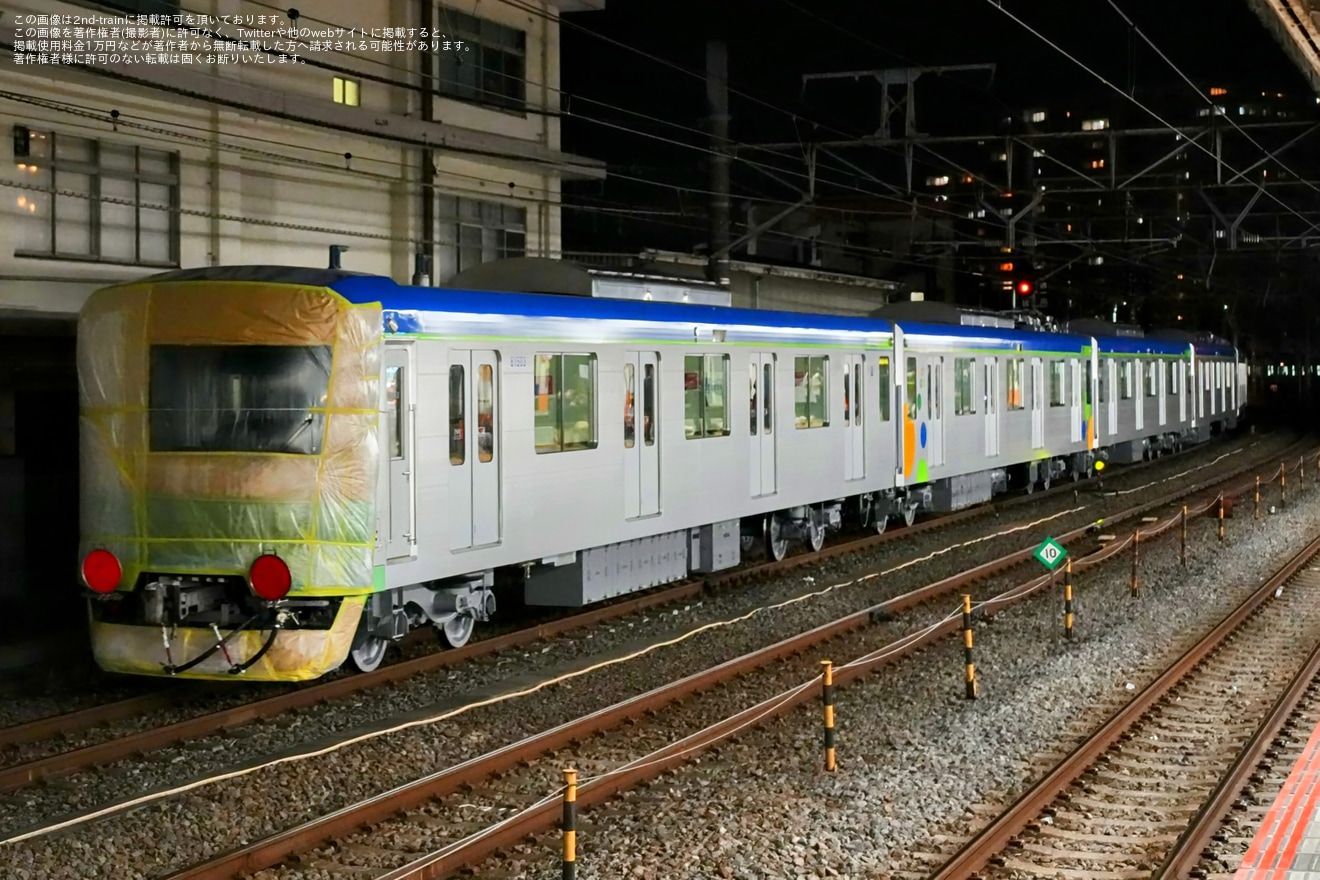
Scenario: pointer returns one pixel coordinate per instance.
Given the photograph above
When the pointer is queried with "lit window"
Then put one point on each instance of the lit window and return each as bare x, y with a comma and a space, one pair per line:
705, 398
346, 91
1038, 116
1097, 163
1216, 91
811, 392
564, 402
1095, 125
937, 181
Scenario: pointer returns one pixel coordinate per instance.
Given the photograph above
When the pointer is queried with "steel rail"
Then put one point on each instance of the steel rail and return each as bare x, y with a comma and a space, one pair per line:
1187, 850
271, 850
997, 836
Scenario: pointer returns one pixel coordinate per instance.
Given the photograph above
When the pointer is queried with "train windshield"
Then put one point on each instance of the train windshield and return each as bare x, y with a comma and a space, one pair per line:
239, 398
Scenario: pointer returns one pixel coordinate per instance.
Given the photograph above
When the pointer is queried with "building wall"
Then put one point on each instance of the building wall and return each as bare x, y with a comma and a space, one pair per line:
256, 189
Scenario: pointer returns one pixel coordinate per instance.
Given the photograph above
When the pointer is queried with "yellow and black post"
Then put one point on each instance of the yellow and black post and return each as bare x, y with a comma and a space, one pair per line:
1184, 536
967, 647
1136, 554
1067, 599
827, 696
570, 824
1221, 518
1256, 515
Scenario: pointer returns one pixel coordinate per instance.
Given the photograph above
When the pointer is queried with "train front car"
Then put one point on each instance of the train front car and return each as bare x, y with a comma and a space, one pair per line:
229, 472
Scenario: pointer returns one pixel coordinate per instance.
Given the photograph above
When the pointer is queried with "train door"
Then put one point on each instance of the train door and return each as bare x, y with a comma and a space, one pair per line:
399, 410
1162, 390
990, 394
474, 449
1075, 400
854, 439
935, 411
1037, 404
1176, 373
1139, 393
1111, 417
761, 422
1089, 397
641, 454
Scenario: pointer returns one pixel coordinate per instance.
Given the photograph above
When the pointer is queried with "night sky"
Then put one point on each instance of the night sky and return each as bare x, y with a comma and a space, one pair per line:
773, 42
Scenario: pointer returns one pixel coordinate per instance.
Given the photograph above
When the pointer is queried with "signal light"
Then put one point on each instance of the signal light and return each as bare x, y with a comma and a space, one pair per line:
270, 578
101, 571
1024, 288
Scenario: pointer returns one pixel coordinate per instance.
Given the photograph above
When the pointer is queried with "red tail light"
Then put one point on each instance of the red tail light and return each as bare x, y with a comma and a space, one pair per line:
101, 571
270, 578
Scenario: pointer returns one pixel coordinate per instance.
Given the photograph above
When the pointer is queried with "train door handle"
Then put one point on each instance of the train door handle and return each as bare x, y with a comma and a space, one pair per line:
406, 473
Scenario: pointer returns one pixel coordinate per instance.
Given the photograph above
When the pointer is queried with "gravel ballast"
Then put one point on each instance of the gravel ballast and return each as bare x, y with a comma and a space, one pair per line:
219, 817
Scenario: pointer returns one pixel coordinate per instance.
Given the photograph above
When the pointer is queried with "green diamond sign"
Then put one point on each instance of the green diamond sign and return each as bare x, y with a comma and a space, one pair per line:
1050, 554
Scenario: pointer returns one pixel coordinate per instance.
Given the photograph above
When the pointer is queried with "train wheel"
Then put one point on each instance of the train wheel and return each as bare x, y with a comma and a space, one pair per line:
815, 532
865, 510
776, 545
368, 652
881, 523
909, 516
1045, 484
458, 629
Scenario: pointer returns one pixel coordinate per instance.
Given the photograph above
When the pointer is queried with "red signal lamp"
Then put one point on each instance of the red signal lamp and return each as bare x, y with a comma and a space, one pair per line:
1025, 288
270, 578
101, 571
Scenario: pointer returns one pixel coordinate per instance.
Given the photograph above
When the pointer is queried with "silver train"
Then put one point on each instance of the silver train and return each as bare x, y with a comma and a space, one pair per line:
321, 461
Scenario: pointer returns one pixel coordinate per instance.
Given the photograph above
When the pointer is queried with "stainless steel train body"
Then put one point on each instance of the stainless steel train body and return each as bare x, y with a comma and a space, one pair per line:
576, 448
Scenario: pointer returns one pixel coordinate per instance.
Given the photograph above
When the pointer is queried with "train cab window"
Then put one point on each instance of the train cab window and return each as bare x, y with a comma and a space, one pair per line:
565, 400
394, 409
811, 380
457, 446
964, 401
1058, 384
648, 404
1125, 368
485, 413
239, 398
883, 379
1014, 397
705, 395
1152, 379
629, 396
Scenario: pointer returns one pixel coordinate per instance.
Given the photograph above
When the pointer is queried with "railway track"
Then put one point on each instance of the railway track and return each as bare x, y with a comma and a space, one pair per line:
48, 766
432, 837
1144, 795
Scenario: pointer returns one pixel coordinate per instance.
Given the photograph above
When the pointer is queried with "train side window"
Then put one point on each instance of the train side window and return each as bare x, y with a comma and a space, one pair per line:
485, 413
705, 390
648, 404
394, 405
1103, 382
964, 400
811, 378
753, 385
565, 397
1126, 369
1014, 396
629, 431
768, 419
847, 397
457, 446
883, 379
1058, 384
1086, 382
1173, 378
857, 394
911, 388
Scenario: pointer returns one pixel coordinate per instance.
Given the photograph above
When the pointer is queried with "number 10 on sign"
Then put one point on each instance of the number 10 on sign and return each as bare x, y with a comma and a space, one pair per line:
1050, 554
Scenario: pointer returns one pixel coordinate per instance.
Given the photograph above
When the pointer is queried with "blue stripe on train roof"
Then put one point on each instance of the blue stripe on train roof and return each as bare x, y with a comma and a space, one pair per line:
364, 289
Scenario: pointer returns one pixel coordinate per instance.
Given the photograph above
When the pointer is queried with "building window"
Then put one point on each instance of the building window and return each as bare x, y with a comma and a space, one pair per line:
811, 380
1038, 116
1095, 125
471, 232
121, 206
347, 91
963, 402
883, 380
1058, 384
705, 398
490, 66
1014, 397
565, 398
